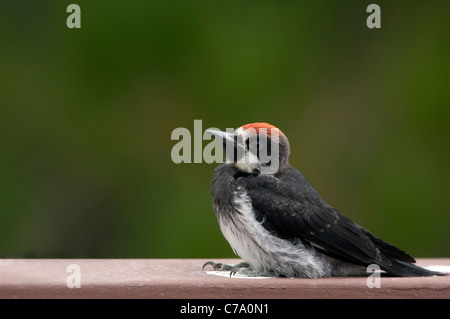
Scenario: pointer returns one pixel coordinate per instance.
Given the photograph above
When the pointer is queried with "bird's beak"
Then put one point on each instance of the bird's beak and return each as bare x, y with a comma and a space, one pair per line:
226, 137
235, 152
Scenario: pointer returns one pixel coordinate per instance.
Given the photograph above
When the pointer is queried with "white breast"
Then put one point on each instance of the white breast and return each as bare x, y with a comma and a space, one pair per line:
244, 233
265, 252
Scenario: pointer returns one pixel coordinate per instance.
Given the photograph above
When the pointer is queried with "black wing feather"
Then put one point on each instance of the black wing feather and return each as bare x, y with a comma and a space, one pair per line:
298, 212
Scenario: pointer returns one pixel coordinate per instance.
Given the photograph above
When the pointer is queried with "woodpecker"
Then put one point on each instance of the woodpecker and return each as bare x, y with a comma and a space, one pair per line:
278, 223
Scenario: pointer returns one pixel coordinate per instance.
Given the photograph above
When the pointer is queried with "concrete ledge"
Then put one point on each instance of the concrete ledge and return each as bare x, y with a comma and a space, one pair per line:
184, 278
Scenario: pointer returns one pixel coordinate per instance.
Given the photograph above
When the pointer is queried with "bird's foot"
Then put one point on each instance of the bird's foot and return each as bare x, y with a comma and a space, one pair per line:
246, 271
242, 268
220, 266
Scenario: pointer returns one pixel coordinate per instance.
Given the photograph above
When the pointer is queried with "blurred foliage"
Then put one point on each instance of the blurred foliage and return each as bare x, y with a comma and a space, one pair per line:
87, 115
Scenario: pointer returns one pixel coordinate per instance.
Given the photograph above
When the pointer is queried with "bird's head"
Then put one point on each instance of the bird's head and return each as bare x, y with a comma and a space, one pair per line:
256, 148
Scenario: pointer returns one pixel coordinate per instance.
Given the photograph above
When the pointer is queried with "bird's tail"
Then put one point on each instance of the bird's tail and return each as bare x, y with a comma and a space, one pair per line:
406, 269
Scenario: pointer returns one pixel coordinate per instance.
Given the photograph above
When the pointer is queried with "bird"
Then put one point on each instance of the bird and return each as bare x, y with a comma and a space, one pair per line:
280, 226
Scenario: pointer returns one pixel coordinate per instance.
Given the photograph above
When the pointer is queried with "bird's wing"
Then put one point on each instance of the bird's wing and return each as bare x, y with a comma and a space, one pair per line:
293, 211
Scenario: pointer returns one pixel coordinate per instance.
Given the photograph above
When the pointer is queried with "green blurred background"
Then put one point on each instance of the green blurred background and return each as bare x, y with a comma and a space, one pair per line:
87, 115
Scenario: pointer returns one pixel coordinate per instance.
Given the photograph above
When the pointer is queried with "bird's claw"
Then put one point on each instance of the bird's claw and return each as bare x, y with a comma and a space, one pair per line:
243, 267
234, 271
213, 264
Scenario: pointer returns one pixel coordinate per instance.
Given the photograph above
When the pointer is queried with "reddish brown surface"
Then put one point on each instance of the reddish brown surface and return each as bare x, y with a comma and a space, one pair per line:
184, 278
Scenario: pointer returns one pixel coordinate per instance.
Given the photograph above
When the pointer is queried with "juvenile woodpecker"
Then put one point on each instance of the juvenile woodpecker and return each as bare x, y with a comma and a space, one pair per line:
277, 222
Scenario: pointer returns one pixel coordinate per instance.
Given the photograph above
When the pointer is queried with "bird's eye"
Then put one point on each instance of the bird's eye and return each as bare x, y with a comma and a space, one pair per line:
247, 145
